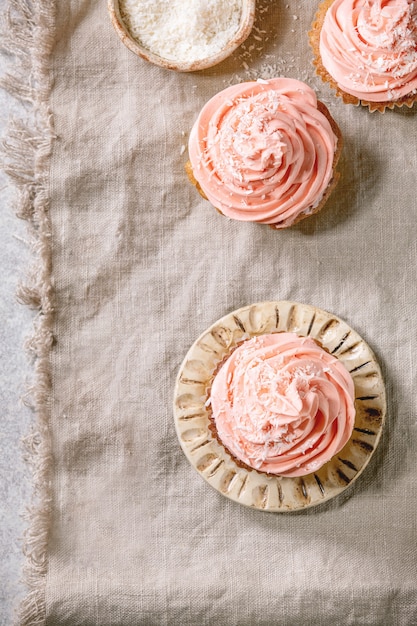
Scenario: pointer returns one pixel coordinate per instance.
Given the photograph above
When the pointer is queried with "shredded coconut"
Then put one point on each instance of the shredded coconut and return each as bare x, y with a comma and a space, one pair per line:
182, 30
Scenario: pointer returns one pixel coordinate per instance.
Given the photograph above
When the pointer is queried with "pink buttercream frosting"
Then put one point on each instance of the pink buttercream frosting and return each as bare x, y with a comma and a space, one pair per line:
283, 405
262, 151
369, 47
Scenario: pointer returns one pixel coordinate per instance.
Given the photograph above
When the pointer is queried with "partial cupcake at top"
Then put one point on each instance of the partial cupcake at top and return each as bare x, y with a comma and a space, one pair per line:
367, 51
265, 151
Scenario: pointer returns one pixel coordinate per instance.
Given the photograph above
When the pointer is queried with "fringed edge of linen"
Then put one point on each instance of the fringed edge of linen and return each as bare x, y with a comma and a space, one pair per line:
27, 31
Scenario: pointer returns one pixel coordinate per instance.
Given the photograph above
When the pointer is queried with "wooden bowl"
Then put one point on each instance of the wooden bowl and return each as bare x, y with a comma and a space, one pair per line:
245, 27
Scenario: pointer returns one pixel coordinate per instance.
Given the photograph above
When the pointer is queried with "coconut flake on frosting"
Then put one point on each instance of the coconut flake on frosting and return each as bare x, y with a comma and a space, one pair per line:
263, 152
369, 47
283, 405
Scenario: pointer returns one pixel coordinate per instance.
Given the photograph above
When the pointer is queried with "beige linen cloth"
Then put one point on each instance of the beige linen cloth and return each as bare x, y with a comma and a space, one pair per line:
139, 265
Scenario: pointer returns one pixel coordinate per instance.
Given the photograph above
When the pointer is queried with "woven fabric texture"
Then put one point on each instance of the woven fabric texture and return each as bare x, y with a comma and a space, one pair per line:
141, 265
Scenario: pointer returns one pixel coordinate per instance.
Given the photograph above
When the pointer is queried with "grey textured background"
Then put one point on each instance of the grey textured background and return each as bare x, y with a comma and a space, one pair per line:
15, 371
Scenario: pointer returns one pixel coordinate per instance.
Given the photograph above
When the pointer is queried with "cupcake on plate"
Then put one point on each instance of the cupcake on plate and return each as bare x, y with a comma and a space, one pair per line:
279, 405
283, 405
367, 51
265, 151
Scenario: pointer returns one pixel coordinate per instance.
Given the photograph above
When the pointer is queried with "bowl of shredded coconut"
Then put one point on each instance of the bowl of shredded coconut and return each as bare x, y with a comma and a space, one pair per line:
183, 35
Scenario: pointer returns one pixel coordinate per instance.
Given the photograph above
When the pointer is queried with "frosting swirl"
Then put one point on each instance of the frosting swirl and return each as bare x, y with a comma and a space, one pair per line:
369, 47
263, 152
283, 405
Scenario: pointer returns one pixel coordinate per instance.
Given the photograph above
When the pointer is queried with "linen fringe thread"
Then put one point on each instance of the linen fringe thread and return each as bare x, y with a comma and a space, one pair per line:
28, 37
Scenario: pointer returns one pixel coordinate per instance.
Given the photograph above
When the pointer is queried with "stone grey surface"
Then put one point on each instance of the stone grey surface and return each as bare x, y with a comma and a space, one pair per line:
15, 372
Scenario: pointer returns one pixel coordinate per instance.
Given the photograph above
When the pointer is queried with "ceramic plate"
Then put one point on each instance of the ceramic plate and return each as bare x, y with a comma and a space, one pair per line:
250, 487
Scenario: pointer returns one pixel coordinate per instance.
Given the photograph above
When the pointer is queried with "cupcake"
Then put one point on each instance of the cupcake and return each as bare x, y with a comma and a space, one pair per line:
265, 151
367, 51
279, 405
283, 405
